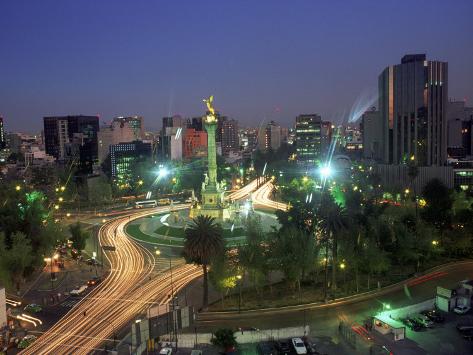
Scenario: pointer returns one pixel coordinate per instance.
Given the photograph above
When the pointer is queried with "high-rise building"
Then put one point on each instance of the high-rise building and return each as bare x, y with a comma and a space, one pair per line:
125, 156
71, 137
229, 135
195, 143
3, 141
459, 129
269, 137
413, 109
371, 130
170, 142
196, 123
308, 138
120, 130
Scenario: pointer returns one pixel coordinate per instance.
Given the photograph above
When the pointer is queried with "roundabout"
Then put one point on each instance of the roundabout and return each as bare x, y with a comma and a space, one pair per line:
168, 228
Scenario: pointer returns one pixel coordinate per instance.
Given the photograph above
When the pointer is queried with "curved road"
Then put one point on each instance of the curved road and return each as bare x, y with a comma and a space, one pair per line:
261, 198
354, 309
128, 289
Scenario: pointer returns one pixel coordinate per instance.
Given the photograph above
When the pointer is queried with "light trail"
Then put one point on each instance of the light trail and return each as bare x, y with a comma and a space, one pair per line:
125, 293
262, 197
244, 192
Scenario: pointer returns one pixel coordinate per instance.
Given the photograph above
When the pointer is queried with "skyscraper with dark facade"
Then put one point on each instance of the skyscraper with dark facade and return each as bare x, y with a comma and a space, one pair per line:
308, 138
229, 135
413, 104
3, 141
72, 137
125, 156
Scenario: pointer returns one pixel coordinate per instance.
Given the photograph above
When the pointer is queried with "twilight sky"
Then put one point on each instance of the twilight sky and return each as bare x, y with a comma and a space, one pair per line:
261, 59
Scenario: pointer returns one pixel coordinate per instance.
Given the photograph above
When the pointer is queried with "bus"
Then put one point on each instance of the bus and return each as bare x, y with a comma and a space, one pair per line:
146, 203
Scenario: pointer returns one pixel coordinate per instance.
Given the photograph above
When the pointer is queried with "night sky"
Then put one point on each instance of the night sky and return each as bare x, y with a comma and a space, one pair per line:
261, 59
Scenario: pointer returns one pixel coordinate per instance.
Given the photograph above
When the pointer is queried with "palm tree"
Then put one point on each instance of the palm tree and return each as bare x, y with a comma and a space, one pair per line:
204, 241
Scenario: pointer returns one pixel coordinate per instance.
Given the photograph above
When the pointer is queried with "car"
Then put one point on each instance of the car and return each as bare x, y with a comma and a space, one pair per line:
165, 351
266, 348
463, 327
299, 346
434, 316
411, 324
33, 308
26, 341
467, 334
423, 320
78, 291
248, 329
196, 352
94, 281
461, 309
283, 347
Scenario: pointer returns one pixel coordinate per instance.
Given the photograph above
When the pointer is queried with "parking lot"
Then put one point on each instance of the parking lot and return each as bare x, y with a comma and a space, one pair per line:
444, 338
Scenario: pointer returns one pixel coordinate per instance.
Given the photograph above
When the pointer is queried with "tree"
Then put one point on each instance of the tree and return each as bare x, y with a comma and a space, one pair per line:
438, 208
78, 236
223, 274
225, 338
17, 260
204, 241
294, 252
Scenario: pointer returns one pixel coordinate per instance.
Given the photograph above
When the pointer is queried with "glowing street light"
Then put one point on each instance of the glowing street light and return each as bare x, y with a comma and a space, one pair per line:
158, 252
61, 199
435, 243
63, 188
325, 171
162, 172
17, 187
56, 207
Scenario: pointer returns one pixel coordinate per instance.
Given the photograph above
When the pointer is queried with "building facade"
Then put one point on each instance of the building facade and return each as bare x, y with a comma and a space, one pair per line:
125, 156
3, 140
229, 135
308, 138
413, 108
459, 128
195, 144
120, 130
69, 138
269, 137
371, 130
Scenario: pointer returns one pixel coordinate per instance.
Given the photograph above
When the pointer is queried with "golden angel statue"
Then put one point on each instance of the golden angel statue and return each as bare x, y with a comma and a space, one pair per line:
211, 115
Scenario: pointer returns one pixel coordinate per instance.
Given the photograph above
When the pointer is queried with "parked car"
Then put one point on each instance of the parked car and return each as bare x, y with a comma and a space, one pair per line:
94, 281
434, 316
266, 348
283, 347
299, 346
463, 327
411, 324
165, 351
26, 341
461, 309
78, 291
33, 308
423, 320
467, 334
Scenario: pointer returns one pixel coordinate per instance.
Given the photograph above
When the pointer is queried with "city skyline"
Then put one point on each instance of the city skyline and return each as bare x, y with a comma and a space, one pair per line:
311, 64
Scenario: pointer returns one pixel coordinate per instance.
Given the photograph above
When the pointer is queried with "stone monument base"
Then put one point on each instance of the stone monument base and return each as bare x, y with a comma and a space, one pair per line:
220, 214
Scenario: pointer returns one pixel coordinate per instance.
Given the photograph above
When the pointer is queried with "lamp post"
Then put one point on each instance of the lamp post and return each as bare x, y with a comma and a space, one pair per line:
343, 266
239, 278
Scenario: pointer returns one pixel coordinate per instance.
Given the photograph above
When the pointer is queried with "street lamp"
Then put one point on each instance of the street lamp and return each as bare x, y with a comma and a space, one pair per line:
435, 243
343, 266
325, 172
239, 277
17, 187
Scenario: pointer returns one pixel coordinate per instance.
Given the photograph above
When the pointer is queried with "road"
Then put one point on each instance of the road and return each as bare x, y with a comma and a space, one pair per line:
244, 192
321, 317
261, 198
130, 287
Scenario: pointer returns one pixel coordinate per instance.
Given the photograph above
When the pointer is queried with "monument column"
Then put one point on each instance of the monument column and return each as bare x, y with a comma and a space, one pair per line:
211, 127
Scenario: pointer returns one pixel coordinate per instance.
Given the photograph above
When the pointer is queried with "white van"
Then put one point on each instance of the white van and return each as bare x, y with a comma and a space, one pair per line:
78, 291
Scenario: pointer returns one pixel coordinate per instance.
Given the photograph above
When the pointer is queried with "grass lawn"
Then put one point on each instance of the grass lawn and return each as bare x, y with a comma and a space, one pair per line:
179, 232
135, 232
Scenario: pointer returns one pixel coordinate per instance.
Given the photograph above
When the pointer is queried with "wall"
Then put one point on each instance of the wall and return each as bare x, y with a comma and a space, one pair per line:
3, 308
188, 340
